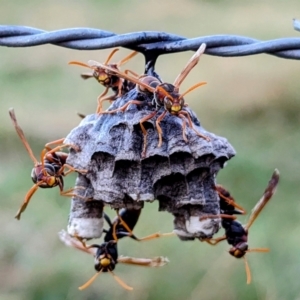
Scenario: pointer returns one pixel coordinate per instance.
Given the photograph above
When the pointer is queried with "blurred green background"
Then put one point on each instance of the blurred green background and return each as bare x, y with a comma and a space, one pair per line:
253, 101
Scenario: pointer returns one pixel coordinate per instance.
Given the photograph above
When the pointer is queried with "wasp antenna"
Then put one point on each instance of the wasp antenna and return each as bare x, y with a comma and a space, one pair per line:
248, 272
43, 162
22, 136
189, 66
193, 88
258, 250
127, 58
111, 55
90, 281
78, 63
269, 192
120, 281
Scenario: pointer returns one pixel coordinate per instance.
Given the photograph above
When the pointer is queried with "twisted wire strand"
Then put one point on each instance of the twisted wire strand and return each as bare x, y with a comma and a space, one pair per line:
150, 43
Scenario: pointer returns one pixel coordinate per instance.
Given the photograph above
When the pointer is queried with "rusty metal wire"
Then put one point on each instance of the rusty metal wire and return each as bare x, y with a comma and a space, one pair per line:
150, 43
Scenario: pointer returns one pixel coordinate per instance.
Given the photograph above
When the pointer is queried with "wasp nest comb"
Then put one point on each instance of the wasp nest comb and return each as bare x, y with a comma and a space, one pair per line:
180, 173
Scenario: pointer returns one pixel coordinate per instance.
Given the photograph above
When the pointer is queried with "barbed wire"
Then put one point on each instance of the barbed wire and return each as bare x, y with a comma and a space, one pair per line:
296, 25
150, 43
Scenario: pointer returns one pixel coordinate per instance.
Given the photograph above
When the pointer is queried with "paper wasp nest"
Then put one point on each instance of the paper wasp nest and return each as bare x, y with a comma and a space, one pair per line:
179, 174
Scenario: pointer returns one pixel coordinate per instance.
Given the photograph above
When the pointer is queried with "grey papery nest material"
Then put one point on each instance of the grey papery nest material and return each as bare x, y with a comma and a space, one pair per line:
179, 174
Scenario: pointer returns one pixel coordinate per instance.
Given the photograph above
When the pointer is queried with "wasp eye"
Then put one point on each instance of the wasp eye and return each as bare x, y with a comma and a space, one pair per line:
168, 102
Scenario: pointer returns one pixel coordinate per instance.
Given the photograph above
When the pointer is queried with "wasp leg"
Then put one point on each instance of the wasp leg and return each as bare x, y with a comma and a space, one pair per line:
192, 127
155, 235
70, 192
231, 202
101, 100
123, 223
27, 199
49, 150
71, 169
99, 106
183, 127
122, 108
158, 128
224, 216
56, 142
214, 242
114, 234
146, 118
146, 238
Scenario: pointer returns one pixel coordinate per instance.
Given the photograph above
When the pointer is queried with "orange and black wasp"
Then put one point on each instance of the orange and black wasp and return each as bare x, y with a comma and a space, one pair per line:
236, 234
164, 95
50, 171
107, 78
106, 254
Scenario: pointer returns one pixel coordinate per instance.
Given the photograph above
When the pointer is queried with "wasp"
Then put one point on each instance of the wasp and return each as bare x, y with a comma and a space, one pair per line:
106, 254
165, 95
50, 171
107, 78
236, 234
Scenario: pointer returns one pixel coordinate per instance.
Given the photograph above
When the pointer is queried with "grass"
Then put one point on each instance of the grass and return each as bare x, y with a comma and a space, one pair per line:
253, 101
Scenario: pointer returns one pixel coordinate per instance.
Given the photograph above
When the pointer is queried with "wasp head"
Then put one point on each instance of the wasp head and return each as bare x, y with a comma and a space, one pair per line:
106, 256
46, 174
239, 250
167, 95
